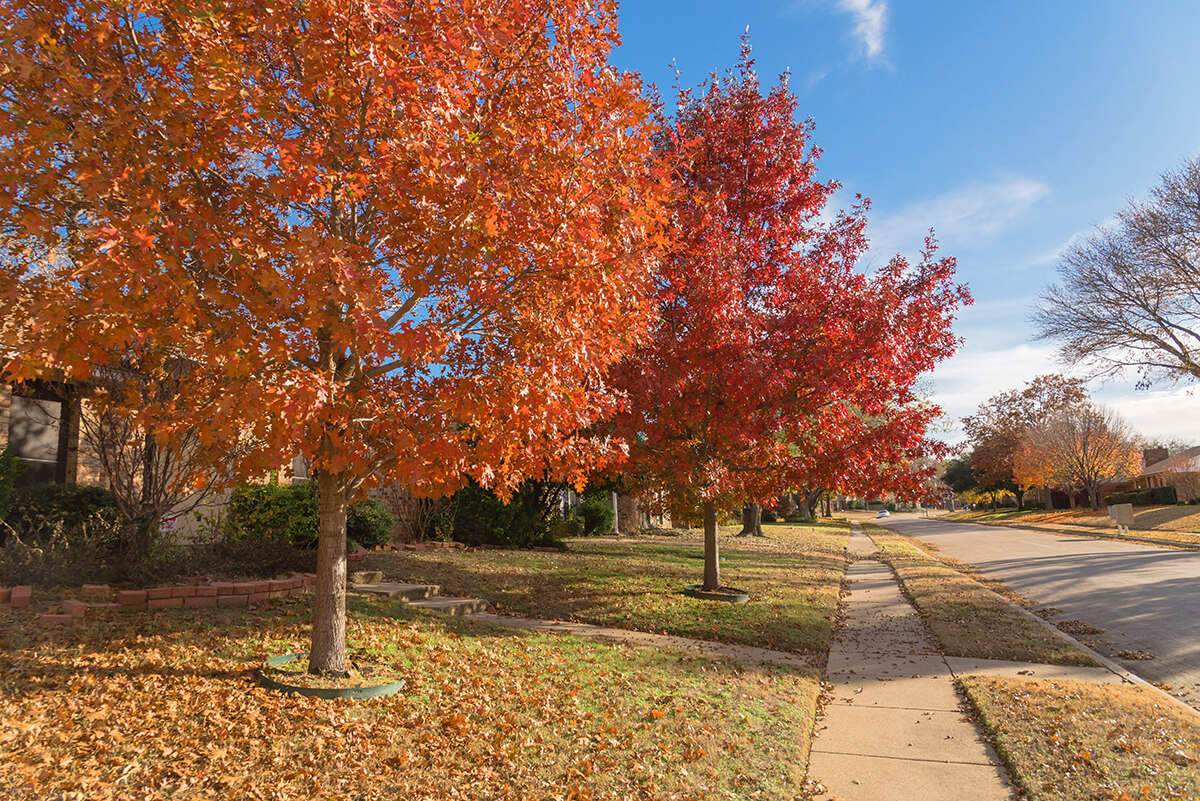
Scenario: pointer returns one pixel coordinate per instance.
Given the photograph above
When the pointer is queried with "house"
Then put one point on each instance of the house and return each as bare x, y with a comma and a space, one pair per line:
1181, 471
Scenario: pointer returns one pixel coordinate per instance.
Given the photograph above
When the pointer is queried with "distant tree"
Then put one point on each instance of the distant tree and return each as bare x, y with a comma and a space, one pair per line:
998, 426
958, 475
1129, 296
1087, 447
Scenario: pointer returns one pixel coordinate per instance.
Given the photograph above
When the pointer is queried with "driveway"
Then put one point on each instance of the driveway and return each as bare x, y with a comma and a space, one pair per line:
1145, 598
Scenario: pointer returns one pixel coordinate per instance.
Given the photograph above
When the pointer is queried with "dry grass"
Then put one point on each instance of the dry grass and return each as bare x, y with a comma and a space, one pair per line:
1067, 740
163, 706
1172, 524
968, 619
793, 576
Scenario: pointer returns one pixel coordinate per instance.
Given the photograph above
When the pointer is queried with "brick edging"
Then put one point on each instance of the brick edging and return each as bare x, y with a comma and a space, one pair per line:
201, 596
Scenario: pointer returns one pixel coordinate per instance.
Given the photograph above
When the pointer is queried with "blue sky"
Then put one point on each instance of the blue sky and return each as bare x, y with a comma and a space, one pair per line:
1009, 128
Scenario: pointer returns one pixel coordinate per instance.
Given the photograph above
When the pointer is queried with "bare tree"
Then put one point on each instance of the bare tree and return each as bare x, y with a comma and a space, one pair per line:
147, 478
1129, 296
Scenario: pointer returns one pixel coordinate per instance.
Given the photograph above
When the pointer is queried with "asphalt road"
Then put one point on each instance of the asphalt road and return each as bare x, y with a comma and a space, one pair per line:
1145, 598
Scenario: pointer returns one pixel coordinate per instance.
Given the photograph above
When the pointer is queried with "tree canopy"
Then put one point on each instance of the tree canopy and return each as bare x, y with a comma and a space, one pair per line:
1001, 422
403, 240
770, 342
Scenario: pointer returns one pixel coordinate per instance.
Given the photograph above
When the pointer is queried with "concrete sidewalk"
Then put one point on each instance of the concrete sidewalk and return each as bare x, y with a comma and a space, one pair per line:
894, 726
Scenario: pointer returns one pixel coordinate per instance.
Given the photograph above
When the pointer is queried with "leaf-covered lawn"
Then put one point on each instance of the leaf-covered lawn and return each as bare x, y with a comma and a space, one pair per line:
1066, 740
138, 706
793, 577
968, 619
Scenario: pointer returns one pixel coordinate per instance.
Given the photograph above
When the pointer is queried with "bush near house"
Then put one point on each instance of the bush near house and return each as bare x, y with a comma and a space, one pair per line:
39, 512
10, 469
1155, 496
529, 519
369, 524
596, 513
288, 513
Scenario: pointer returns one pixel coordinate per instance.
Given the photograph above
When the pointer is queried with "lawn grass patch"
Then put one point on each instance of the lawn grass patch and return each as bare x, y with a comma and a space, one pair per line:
968, 619
793, 577
135, 705
1064, 740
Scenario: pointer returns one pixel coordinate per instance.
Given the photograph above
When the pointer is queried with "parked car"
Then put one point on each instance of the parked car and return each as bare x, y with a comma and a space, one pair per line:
884, 513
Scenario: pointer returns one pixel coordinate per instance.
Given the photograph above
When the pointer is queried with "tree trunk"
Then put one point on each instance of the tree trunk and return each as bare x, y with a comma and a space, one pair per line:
808, 502
1049, 504
328, 653
1071, 496
751, 521
1020, 500
712, 567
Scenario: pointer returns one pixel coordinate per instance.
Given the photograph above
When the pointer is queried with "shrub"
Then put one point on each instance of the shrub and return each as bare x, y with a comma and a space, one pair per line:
61, 556
369, 524
285, 513
288, 513
61, 510
10, 469
1156, 496
527, 520
596, 514
768, 516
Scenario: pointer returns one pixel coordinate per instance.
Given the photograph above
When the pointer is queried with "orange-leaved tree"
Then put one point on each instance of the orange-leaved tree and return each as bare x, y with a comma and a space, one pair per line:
401, 239
1001, 422
765, 323
1088, 446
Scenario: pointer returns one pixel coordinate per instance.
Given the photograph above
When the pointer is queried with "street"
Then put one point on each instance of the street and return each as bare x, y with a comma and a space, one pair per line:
1145, 598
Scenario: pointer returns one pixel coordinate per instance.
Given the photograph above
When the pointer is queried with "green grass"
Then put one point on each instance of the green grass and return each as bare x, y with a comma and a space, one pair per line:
1065, 740
793, 577
139, 705
968, 619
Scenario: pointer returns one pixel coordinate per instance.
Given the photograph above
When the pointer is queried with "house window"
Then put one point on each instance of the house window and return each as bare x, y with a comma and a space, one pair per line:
37, 436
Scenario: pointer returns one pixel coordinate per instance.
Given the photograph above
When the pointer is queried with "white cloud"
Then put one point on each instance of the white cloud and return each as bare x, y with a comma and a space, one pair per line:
1053, 255
976, 211
975, 374
870, 22
1159, 414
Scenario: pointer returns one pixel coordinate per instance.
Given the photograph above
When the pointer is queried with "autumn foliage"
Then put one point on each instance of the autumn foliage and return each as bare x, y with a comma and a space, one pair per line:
1003, 422
774, 357
403, 240
1088, 447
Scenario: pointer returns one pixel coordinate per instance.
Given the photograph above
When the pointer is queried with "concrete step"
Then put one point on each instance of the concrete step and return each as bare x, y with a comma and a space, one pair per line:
452, 606
405, 592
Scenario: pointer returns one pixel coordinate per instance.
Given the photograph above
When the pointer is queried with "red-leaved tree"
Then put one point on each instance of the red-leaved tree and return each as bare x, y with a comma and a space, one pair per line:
401, 239
768, 335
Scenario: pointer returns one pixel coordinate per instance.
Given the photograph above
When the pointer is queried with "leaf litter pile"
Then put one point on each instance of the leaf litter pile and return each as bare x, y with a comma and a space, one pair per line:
1067, 740
165, 706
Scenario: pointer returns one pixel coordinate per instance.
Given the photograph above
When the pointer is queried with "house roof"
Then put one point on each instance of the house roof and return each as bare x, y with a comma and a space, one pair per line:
1184, 462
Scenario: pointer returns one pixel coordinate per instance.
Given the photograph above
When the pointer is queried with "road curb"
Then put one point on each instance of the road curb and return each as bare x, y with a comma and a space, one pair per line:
1112, 666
